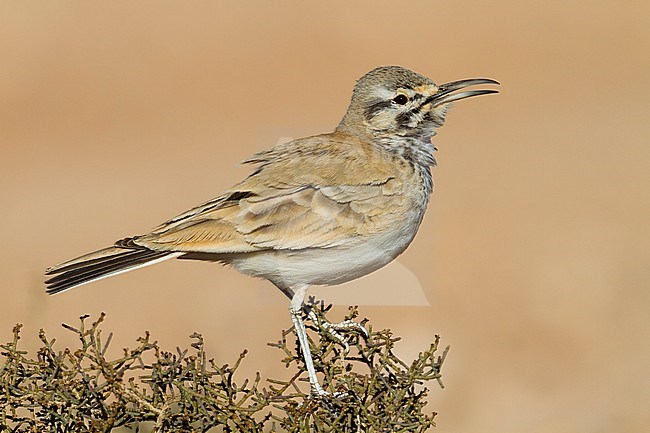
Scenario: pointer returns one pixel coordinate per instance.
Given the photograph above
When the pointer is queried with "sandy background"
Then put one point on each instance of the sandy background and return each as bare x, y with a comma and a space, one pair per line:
535, 252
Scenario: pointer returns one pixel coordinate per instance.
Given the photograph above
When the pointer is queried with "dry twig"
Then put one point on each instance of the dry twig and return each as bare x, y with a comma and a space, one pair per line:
81, 390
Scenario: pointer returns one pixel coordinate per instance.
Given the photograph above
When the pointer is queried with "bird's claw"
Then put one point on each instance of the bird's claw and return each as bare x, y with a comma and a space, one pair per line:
318, 392
334, 330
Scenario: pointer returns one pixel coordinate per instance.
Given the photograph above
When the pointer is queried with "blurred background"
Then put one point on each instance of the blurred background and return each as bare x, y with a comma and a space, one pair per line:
533, 259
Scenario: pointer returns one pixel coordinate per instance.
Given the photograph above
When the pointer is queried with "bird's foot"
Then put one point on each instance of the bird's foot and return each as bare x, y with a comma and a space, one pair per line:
334, 330
318, 392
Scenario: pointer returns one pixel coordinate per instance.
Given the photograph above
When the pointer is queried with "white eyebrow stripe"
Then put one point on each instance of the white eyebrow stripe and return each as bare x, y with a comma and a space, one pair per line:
383, 93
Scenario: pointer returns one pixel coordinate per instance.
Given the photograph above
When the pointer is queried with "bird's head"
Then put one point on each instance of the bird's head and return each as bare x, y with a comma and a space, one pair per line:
392, 101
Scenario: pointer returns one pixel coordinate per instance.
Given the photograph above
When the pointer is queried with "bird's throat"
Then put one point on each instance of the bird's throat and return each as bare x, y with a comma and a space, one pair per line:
417, 151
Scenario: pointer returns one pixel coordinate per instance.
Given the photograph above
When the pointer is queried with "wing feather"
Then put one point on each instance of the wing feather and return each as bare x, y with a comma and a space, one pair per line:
318, 194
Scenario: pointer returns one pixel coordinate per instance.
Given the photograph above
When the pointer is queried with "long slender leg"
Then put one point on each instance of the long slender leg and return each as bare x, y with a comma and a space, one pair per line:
296, 318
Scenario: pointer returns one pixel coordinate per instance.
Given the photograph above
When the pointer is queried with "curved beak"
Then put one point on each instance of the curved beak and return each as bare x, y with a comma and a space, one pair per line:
445, 94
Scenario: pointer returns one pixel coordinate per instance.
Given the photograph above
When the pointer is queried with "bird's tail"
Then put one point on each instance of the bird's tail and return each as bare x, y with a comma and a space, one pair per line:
122, 257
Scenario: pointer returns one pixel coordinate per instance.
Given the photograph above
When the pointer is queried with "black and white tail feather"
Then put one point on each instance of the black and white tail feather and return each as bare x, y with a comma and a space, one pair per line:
122, 257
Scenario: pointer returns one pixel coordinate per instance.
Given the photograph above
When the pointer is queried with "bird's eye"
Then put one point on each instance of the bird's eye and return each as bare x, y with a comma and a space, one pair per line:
400, 99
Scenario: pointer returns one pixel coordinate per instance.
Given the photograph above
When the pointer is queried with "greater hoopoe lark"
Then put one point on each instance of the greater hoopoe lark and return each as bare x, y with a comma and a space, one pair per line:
319, 210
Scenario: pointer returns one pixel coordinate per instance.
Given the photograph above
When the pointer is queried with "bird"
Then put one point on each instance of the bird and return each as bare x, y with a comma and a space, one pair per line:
315, 211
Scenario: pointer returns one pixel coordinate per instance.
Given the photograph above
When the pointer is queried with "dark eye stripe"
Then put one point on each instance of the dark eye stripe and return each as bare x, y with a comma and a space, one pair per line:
380, 105
406, 117
375, 108
418, 108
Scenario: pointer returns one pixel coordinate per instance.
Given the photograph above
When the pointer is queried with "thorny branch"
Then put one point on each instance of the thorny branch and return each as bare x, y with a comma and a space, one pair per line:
81, 390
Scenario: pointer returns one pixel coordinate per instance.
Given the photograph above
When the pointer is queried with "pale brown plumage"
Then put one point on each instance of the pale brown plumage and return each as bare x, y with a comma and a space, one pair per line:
316, 192
317, 197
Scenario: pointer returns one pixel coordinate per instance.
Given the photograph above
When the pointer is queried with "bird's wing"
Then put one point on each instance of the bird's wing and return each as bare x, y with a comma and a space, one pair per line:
313, 197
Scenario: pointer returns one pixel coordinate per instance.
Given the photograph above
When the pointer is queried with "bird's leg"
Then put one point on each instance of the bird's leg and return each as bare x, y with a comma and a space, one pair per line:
334, 330
301, 332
